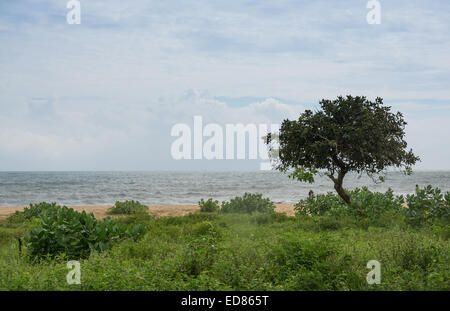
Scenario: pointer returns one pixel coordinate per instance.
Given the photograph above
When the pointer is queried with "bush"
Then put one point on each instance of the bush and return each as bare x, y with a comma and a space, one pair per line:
62, 230
380, 209
249, 203
322, 204
35, 210
127, 207
427, 204
209, 206
373, 204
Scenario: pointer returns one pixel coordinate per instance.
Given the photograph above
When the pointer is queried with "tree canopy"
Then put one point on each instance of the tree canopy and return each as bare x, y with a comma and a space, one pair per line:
348, 134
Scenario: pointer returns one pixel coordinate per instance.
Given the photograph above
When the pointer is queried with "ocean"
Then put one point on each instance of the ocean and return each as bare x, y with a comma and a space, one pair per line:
161, 188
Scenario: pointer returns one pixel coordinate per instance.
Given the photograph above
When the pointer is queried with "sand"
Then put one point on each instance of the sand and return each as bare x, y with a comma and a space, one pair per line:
156, 210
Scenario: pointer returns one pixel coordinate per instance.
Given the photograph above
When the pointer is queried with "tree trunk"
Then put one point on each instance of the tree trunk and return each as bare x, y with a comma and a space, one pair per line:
342, 193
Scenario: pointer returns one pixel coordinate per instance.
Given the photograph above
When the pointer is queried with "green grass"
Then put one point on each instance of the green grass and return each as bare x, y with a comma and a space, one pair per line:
210, 251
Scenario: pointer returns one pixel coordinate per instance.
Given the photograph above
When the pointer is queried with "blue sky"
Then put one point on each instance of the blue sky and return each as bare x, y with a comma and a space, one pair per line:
104, 94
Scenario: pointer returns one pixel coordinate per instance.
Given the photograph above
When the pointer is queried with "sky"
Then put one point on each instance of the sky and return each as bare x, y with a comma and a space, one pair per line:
104, 94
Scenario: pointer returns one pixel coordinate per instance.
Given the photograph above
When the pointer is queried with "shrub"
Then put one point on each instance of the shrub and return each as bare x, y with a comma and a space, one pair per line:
373, 204
35, 210
380, 209
249, 203
321, 204
427, 204
209, 206
62, 230
127, 207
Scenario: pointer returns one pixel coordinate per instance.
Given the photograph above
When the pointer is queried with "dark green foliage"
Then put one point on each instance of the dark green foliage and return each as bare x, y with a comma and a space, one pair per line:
209, 206
62, 230
249, 203
349, 134
128, 208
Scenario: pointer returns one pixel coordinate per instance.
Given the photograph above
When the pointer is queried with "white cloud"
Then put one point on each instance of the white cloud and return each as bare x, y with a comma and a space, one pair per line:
110, 86
48, 146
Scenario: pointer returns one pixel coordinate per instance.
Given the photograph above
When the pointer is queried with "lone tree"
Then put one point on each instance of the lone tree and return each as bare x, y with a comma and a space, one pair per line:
347, 134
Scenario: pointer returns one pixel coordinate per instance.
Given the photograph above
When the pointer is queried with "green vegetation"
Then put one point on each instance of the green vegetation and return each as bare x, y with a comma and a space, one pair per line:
208, 206
249, 203
35, 210
239, 251
348, 134
56, 230
127, 208
243, 244
428, 204
425, 205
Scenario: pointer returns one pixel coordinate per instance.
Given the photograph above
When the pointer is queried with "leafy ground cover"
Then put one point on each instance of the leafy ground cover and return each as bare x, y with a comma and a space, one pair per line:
325, 250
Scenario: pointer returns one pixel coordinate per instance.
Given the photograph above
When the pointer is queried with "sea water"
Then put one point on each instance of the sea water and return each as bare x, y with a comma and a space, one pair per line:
160, 188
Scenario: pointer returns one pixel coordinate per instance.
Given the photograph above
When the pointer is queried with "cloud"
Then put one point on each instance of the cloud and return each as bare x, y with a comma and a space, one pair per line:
428, 137
82, 131
104, 94
105, 134
38, 145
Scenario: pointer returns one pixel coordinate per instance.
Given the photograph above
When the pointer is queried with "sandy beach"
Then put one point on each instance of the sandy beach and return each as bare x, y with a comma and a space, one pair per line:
156, 210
